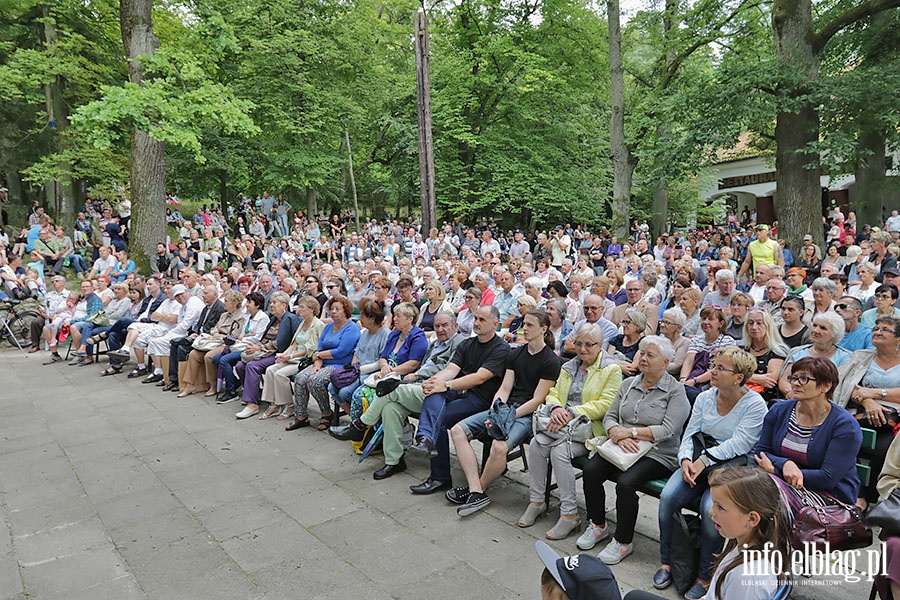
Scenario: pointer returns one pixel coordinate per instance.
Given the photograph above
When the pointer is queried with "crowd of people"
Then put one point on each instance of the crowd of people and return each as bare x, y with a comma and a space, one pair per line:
694, 351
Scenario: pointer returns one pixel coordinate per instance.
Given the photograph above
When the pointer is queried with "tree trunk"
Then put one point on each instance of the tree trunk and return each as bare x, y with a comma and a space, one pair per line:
312, 205
658, 221
353, 179
622, 159
870, 174
223, 192
61, 192
148, 156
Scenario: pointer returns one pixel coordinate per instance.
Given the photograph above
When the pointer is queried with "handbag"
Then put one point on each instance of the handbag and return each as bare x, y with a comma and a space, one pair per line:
341, 377
578, 430
247, 357
886, 514
840, 525
206, 342
99, 318
613, 453
684, 550
702, 443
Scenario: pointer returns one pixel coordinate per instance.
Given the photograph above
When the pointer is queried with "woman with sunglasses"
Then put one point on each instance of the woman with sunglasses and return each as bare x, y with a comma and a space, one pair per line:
870, 390
314, 289
885, 297
810, 443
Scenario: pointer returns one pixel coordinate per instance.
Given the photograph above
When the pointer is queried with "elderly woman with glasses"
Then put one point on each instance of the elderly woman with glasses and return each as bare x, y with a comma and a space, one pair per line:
826, 333
723, 428
885, 297
586, 386
809, 443
870, 390
651, 407
670, 326
514, 335
624, 346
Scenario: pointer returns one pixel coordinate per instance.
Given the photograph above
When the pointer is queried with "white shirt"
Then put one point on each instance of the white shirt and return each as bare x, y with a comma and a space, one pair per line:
255, 327
101, 265
169, 307
189, 315
757, 292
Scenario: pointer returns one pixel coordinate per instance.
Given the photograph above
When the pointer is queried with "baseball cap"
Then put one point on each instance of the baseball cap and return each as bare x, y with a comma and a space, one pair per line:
853, 253
762, 227
893, 271
582, 577
807, 237
558, 228
178, 289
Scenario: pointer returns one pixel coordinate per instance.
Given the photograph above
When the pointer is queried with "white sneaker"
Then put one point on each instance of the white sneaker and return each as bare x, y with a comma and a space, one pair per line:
592, 536
248, 411
615, 552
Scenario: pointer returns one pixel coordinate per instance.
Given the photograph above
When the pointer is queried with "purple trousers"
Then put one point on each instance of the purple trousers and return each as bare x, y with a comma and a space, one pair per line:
251, 374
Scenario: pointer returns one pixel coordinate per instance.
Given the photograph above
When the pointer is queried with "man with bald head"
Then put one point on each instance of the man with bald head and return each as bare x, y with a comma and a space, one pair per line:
593, 313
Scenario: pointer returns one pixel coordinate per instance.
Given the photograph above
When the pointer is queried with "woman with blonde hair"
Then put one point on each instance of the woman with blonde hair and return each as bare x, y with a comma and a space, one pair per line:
762, 340
436, 296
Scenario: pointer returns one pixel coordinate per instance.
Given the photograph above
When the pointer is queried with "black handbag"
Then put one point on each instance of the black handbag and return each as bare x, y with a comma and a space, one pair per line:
702, 443
886, 514
684, 550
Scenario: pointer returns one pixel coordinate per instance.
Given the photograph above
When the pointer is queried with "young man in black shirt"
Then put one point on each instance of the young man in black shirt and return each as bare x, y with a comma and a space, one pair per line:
531, 370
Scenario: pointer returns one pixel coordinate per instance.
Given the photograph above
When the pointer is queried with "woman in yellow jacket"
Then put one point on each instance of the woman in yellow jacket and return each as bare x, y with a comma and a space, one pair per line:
587, 385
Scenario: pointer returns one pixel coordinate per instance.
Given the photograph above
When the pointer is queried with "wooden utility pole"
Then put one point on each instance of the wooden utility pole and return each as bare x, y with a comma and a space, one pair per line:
426, 143
352, 178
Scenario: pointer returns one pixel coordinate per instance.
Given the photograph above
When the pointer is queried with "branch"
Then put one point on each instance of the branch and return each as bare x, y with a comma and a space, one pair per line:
671, 68
849, 17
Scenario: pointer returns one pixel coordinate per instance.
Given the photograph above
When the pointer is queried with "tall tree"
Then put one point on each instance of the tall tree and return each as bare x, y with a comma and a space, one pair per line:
623, 160
148, 155
799, 47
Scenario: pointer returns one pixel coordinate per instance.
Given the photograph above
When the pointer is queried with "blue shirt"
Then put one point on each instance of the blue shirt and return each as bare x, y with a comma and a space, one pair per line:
858, 339
342, 344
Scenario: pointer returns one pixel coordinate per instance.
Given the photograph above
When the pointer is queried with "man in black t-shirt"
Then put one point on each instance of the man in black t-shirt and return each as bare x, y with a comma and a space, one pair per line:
464, 387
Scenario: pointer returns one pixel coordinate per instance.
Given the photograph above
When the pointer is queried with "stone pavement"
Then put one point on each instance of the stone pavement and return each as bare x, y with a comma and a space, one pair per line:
113, 489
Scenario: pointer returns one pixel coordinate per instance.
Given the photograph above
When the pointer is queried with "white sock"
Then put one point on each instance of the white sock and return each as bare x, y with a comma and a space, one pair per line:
126, 348
157, 371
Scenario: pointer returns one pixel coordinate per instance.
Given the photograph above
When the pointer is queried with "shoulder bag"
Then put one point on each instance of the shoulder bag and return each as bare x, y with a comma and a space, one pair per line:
840, 525
612, 453
886, 514
578, 430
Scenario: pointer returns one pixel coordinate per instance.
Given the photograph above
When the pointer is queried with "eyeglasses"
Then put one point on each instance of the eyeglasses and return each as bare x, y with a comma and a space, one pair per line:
311, 281
331, 287
886, 330
377, 288
626, 322
591, 308
720, 369
842, 306
585, 345
801, 379
664, 322
884, 296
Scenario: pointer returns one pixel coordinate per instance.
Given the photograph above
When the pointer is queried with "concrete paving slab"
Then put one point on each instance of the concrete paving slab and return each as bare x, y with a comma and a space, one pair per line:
166, 498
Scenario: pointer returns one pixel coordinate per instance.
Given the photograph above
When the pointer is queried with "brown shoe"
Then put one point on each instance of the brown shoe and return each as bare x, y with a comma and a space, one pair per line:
33, 349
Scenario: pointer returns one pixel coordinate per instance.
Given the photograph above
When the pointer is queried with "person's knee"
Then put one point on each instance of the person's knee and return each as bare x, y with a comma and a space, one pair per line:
499, 449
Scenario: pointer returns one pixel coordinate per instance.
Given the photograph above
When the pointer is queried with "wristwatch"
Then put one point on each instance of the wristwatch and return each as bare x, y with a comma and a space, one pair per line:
883, 394
705, 459
634, 432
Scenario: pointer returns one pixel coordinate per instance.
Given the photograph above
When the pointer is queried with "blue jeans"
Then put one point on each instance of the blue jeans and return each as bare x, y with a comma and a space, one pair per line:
345, 394
439, 413
676, 495
226, 364
77, 262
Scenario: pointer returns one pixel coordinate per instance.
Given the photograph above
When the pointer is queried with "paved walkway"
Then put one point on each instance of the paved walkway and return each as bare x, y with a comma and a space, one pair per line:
113, 489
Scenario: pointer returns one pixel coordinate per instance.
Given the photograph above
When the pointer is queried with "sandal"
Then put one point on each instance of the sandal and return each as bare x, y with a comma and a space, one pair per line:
564, 526
325, 422
273, 411
111, 370
286, 413
534, 511
297, 424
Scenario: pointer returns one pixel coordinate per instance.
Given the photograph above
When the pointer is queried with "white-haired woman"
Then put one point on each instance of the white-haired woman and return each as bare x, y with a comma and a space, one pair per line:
625, 345
651, 407
762, 340
586, 386
865, 289
533, 287
826, 333
670, 326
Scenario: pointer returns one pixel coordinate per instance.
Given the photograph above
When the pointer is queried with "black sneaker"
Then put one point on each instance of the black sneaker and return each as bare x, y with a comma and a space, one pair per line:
458, 495
475, 502
227, 397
